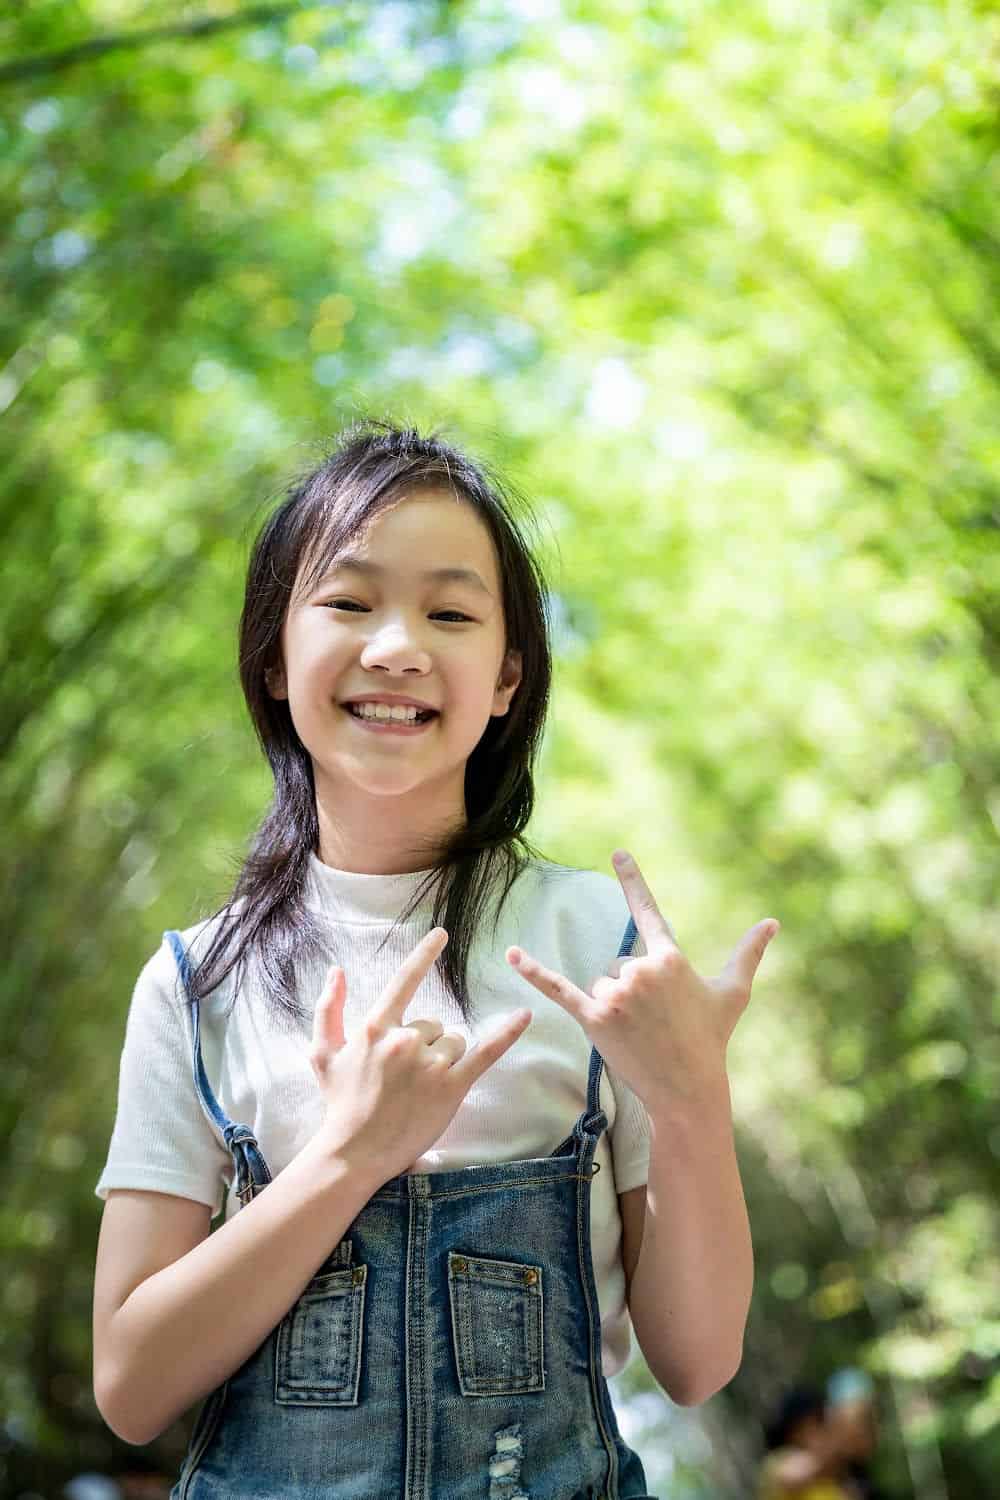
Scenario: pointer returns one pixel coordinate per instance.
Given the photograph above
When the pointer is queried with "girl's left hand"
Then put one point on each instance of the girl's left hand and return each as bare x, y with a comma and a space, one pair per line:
658, 1024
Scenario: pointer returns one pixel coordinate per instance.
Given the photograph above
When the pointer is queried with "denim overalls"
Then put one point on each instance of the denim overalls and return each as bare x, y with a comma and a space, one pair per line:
447, 1349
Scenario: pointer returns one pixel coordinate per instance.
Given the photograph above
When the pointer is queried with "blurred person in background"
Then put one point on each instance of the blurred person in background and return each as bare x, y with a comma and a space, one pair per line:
804, 1456
853, 1420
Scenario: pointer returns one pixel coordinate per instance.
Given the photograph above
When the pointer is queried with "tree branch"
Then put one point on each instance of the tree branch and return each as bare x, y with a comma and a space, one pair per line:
57, 62
964, 229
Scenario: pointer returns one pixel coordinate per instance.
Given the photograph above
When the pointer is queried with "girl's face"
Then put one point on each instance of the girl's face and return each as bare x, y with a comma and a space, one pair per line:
412, 610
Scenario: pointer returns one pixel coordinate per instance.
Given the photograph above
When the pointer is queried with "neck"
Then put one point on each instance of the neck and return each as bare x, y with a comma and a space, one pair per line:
391, 835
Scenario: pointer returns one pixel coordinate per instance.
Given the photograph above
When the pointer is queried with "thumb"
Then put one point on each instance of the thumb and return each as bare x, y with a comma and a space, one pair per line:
744, 961
328, 1019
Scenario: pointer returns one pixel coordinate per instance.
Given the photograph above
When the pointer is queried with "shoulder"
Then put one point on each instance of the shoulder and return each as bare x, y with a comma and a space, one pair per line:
576, 917
161, 975
570, 892
571, 881
157, 1022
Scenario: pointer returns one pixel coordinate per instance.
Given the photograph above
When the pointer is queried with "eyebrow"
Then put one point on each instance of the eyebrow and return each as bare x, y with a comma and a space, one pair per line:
437, 575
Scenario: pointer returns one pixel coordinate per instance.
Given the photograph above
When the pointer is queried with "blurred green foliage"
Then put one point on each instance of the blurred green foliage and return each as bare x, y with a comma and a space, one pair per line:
717, 285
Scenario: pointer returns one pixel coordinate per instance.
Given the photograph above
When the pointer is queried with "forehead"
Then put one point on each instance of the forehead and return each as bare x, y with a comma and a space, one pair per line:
423, 530
424, 511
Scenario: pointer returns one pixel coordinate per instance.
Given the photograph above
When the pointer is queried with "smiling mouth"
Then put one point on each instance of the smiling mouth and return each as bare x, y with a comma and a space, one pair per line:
389, 721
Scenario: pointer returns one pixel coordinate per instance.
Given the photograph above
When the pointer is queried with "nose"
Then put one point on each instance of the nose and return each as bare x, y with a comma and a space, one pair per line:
394, 648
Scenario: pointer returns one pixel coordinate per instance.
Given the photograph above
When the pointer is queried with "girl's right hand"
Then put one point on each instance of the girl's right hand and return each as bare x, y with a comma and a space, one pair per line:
391, 1089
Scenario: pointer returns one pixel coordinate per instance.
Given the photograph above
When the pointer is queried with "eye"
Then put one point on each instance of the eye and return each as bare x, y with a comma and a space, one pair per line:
450, 616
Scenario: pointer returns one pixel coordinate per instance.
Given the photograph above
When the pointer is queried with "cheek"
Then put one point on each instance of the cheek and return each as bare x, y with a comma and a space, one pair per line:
311, 654
474, 689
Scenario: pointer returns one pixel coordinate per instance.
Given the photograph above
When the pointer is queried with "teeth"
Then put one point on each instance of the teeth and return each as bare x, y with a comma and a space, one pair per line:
383, 711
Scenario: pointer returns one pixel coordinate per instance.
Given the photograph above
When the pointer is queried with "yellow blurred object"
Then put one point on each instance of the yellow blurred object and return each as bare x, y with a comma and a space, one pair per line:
780, 1479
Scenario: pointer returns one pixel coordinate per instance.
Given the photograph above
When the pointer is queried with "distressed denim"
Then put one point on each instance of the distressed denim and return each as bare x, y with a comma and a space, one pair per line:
448, 1348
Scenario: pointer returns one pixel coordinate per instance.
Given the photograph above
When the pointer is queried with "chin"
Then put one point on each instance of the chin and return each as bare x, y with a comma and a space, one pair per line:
386, 786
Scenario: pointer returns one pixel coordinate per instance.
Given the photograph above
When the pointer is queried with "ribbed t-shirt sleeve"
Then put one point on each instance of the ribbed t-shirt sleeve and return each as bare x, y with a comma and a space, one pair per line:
162, 1140
629, 1137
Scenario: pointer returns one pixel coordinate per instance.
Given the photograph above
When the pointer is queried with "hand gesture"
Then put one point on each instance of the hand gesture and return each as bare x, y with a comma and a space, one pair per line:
657, 1023
391, 1089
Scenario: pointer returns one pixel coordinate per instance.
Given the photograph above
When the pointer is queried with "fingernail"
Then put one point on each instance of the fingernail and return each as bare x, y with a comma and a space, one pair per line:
515, 955
620, 858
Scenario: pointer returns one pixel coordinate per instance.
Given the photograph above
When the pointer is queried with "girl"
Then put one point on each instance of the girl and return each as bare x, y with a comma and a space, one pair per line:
461, 1214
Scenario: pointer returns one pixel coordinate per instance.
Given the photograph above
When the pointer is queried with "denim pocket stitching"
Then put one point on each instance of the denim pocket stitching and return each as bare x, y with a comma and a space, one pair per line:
323, 1391
465, 1272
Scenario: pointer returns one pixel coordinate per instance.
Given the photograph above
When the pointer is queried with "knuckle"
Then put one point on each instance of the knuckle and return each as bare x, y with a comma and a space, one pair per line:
632, 983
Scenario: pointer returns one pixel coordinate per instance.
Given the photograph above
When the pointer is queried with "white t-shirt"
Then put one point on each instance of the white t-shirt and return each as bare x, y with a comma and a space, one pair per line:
257, 1060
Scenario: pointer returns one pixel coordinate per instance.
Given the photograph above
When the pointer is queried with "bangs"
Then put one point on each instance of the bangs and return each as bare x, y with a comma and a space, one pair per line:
336, 512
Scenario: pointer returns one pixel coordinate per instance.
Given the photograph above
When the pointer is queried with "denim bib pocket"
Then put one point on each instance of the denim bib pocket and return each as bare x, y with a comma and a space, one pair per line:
497, 1325
317, 1359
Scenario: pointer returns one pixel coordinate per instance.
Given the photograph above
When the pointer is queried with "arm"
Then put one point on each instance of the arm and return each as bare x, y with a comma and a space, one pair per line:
687, 1252
663, 1030
171, 1320
167, 1326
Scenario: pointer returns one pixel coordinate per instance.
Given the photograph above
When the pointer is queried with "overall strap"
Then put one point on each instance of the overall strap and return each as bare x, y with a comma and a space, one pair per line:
596, 1060
251, 1169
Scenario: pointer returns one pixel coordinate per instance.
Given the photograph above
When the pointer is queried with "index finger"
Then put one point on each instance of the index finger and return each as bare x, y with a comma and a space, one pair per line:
652, 924
400, 990
488, 1050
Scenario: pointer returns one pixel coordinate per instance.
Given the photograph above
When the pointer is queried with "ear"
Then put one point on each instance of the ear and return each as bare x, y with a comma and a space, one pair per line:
274, 681
508, 682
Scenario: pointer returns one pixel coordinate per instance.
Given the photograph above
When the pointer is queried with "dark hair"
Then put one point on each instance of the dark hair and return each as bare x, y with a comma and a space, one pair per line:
795, 1406
265, 922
